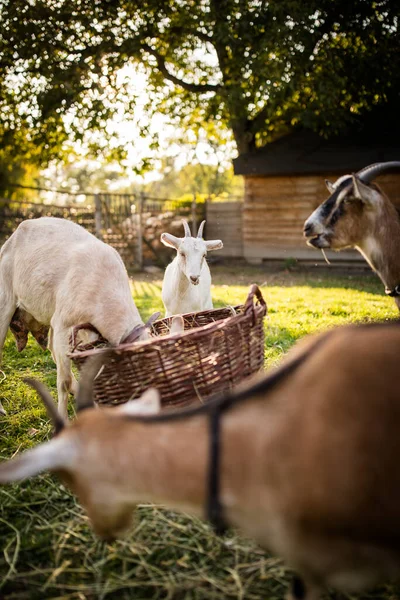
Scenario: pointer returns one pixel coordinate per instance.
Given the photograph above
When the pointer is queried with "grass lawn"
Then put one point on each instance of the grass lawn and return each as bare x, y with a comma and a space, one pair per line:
47, 548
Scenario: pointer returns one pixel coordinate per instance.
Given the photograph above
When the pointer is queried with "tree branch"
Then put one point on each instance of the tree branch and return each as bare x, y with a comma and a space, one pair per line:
191, 87
204, 37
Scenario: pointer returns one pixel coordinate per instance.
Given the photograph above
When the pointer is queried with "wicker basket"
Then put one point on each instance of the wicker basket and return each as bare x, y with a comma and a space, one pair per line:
218, 349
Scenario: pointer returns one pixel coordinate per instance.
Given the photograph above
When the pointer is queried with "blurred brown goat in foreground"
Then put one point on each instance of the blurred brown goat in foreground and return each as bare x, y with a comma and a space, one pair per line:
359, 215
308, 459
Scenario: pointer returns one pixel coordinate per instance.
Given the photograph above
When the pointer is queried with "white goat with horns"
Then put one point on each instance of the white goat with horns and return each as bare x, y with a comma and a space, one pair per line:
187, 280
55, 273
306, 458
358, 215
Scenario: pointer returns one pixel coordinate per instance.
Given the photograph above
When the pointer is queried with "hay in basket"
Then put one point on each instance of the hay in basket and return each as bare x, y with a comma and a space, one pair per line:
218, 349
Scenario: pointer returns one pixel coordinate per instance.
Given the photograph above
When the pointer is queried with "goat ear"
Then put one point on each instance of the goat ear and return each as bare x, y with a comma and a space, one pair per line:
330, 186
170, 240
214, 245
149, 403
50, 456
363, 191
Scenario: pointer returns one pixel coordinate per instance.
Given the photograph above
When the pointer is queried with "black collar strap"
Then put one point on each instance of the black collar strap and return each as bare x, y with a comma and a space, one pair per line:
393, 293
214, 512
213, 410
214, 509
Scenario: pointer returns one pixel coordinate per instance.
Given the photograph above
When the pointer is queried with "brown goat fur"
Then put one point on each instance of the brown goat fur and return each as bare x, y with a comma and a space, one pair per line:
309, 466
359, 215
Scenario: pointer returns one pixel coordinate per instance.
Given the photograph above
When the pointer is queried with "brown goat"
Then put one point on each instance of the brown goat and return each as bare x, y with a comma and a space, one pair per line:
359, 215
308, 463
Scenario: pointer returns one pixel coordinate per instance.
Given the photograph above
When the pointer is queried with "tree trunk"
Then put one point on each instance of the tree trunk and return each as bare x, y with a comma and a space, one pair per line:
245, 140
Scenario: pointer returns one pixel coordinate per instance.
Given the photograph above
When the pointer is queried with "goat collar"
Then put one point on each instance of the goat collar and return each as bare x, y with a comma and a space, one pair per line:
394, 292
214, 509
214, 512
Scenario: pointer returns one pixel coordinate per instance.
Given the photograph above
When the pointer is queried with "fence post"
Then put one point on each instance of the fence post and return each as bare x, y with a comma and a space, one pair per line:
194, 219
139, 231
97, 216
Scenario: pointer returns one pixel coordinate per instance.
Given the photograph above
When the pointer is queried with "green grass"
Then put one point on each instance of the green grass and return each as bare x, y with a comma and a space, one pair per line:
47, 549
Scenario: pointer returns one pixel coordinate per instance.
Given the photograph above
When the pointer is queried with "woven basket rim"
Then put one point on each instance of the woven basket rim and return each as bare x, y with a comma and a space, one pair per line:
194, 332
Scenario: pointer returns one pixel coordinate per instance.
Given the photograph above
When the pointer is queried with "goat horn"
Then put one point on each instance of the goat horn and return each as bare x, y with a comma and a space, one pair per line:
186, 228
84, 397
200, 231
367, 174
51, 408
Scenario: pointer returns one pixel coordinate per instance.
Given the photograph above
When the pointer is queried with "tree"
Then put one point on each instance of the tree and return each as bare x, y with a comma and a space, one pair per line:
206, 180
253, 67
18, 164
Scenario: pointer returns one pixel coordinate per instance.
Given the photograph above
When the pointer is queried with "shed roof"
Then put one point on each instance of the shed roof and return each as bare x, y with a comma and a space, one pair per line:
304, 152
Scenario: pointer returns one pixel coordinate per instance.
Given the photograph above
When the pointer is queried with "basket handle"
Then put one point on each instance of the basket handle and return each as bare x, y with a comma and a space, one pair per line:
249, 304
254, 291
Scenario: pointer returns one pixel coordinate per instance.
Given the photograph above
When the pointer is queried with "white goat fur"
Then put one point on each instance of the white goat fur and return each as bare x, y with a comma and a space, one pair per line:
63, 276
309, 468
187, 280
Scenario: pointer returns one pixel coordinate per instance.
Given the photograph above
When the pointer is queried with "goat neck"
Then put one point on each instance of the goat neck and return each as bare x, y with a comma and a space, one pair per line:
170, 467
381, 246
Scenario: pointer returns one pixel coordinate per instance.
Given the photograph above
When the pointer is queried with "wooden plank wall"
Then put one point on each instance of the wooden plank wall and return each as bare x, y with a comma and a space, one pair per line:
224, 222
275, 209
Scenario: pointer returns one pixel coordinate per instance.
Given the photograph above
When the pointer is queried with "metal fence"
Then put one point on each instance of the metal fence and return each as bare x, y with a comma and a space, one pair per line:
131, 223
12, 212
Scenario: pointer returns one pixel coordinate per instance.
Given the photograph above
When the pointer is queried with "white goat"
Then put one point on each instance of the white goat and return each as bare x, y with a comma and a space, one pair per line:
307, 462
187, 280
60, 275
359, 215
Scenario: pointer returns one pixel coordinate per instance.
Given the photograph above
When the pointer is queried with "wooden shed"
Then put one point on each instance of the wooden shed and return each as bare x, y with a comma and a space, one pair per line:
285, 182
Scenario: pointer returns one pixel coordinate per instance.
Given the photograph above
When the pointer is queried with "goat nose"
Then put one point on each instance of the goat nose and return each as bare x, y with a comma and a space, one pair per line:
308, 229
194, 279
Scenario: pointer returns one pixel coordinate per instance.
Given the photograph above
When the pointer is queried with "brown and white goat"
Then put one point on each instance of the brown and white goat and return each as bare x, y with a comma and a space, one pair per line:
359, 215
58, 274
308, 459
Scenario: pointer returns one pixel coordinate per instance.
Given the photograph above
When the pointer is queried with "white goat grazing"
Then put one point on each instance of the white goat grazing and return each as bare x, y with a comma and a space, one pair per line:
358, 215
307, 463
61, 276
187, 280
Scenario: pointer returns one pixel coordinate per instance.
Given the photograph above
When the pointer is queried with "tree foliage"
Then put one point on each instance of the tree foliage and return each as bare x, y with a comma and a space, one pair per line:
207, 181
255, 68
